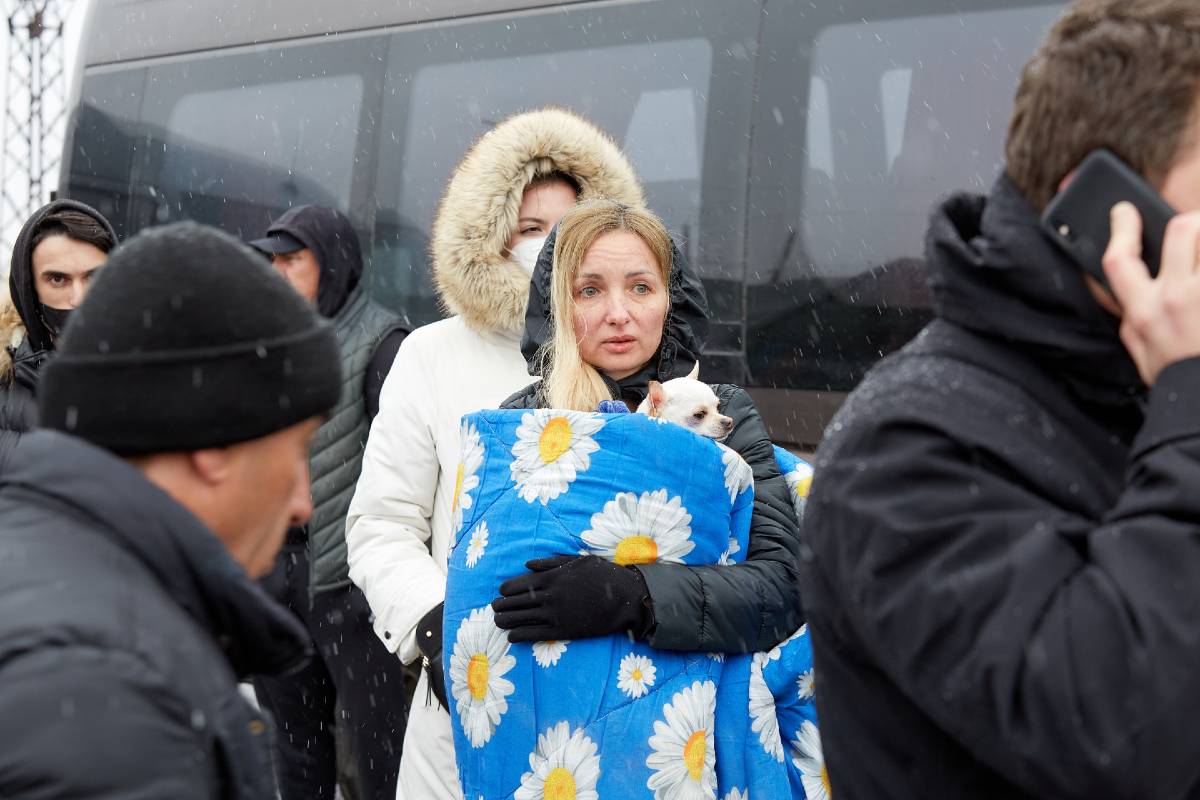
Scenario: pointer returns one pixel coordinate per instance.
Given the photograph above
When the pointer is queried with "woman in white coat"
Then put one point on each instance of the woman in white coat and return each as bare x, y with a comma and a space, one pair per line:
503, 199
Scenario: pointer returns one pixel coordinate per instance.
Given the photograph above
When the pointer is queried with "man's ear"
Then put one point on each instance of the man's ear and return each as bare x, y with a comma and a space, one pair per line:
213, 465
656, 397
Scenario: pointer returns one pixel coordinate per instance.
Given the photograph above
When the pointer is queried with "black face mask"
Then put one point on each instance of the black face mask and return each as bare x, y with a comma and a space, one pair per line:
55, 319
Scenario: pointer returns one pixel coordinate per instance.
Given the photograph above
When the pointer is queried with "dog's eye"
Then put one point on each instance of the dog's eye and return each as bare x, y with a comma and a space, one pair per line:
701, 414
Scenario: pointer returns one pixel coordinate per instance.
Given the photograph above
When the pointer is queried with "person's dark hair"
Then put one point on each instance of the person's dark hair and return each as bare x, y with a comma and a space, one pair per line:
74, 225
555, 177
1117, 74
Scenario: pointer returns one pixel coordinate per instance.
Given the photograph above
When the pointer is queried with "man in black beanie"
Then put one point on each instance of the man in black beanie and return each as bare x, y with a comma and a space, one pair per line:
180, 408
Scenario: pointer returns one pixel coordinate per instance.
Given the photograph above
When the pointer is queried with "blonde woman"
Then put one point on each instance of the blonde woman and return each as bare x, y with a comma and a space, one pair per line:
505, 196
615, 306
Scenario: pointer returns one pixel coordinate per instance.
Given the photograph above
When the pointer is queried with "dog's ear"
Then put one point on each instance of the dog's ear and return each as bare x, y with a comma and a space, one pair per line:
695, 373
656, 397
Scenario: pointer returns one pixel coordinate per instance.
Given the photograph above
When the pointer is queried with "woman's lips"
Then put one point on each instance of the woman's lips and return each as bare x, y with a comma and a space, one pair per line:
619, 344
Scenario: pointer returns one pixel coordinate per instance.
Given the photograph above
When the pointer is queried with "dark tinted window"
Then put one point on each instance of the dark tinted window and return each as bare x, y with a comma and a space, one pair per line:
234, 137
102, 146
230, 139
643, 72
896, 110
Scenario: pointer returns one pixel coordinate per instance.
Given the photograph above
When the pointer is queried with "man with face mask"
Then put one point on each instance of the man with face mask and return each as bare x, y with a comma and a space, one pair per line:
56, 254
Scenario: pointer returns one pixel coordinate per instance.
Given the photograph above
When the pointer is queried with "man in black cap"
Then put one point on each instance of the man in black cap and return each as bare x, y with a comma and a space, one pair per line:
180, 407
318, 252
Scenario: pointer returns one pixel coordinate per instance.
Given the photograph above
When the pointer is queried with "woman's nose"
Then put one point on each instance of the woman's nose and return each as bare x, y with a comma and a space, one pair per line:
617, 313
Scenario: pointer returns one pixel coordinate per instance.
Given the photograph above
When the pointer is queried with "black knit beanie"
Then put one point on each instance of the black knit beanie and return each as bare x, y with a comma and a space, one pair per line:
187, 339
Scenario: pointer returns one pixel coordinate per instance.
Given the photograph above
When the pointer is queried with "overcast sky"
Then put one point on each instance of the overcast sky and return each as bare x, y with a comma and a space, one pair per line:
73, 24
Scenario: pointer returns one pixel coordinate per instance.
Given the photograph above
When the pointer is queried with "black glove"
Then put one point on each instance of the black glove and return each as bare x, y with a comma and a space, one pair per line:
573, 597
429, 642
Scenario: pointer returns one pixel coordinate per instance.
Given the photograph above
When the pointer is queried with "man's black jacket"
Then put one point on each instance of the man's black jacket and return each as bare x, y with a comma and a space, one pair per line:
125, 626
1003, 574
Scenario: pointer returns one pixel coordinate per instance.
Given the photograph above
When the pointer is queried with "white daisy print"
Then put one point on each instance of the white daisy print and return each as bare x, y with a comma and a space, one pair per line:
810, 760
799, 481
636, 675
547, 653
477, 669
738, 475
683, 753
564, 766
727, 557
804, 686
466, 481
738, 794
552, 448
717, 657
764, 722
775, 652
478, 544
641, 530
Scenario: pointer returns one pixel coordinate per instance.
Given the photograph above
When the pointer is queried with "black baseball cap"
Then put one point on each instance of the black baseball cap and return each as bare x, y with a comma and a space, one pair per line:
278, 243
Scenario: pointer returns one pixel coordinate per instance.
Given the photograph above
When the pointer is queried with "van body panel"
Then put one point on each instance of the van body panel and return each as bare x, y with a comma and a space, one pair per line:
794, 149
128, 30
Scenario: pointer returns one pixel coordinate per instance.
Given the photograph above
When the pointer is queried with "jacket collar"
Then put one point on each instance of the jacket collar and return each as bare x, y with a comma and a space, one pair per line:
184, 556
995, 273
27, 363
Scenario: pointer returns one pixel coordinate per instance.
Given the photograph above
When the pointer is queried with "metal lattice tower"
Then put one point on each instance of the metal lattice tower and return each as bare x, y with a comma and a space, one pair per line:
34, 112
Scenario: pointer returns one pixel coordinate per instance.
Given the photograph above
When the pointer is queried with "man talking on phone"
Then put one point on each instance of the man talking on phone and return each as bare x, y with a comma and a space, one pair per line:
1003, 567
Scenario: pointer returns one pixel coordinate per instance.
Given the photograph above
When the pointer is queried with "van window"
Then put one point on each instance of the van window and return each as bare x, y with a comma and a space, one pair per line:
101, 148
231, 138
900, 111
298, 131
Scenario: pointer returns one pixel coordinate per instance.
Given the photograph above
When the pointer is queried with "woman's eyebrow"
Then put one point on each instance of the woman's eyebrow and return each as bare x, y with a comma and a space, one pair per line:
537, 220
591, 276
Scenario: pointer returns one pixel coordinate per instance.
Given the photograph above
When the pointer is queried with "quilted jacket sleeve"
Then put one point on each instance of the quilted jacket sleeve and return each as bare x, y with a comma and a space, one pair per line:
388, 526
746, 607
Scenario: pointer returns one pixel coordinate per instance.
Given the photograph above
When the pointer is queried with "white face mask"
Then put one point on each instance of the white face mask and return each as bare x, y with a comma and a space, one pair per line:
526, 252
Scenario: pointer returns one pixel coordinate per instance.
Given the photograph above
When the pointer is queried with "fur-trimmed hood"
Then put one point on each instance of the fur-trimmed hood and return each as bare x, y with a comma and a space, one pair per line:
477, 215
12, 334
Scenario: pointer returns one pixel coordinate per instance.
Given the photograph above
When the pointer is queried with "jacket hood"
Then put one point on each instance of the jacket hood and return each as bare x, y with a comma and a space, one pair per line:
994, 271
20, 273
333, 240
684, 330
475, 278
257, 635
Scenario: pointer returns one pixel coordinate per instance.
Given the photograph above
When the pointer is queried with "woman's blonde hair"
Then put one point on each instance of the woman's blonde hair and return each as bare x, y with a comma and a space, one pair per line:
568, 381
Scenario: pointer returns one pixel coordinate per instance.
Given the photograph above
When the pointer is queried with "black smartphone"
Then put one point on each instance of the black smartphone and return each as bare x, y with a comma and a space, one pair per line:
1077, 217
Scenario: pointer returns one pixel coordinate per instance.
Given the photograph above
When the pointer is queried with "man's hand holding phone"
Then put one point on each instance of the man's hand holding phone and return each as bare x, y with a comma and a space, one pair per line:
1160, 321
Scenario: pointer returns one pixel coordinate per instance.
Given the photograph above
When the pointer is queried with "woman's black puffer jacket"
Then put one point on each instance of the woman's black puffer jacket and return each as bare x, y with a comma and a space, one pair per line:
741, 608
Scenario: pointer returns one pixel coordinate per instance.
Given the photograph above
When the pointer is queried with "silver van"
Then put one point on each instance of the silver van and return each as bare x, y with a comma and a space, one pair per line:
794, 146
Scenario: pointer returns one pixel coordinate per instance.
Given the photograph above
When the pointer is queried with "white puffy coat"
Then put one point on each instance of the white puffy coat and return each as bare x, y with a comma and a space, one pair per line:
398, 528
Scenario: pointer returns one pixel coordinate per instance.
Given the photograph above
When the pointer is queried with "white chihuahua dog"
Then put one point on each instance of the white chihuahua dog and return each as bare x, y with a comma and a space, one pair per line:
687, 402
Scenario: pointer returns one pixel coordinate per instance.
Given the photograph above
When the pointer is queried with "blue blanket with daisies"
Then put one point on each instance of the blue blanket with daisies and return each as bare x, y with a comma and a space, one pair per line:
611, 717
